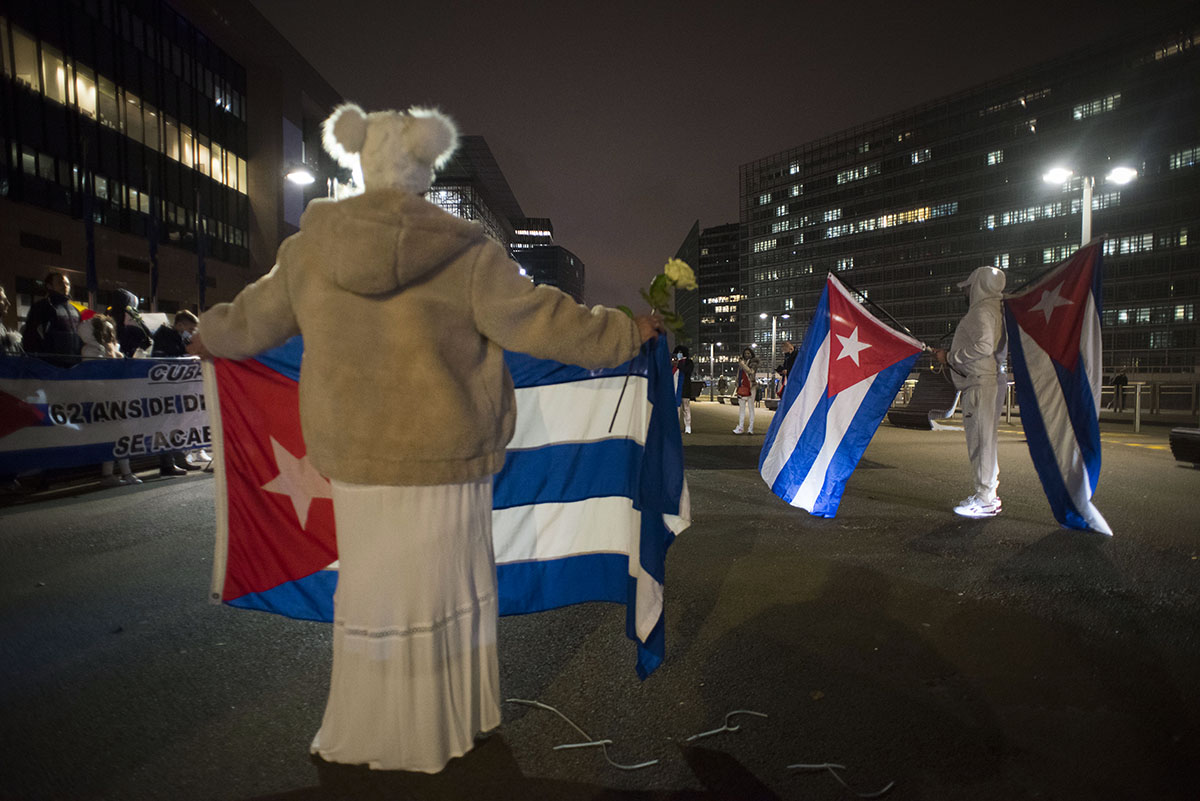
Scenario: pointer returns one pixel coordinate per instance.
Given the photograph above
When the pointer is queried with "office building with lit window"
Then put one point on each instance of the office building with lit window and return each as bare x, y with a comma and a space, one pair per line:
160, 123
720, 296
472, 186
553, 265
906, 206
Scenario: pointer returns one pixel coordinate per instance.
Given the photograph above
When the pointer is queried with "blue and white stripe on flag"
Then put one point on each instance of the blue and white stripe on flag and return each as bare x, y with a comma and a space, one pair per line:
582, 513
845, 377
584, 509
1054, 341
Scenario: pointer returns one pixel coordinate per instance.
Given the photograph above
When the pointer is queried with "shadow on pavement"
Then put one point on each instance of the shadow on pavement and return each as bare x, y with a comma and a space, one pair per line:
490, 772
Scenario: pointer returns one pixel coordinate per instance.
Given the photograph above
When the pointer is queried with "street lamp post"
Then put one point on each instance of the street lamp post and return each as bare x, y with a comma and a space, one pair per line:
770, 376
1060, 175
712, 371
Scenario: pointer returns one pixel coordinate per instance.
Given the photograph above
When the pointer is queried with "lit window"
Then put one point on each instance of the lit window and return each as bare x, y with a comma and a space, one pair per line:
187, 145
85, 90
995, 157
54, 75
1000, 261
845, 264
797, 190
765, 244
858, 173
793, 169
764, 199
833, 214
25, 61
1184, 158
108, 104
170, 137
1094, 107
153, 139
781, 211
921, 156
203, 154
131, 117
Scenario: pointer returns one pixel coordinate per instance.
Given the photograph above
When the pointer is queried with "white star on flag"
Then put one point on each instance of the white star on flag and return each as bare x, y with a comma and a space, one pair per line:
851, 347
297, 479
1050, 301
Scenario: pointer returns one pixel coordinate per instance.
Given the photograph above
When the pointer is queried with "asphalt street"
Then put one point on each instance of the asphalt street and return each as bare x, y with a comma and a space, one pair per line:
946, 658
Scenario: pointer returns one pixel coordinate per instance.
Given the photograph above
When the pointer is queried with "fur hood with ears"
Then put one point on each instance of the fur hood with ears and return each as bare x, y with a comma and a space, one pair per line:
395, 149
383, 241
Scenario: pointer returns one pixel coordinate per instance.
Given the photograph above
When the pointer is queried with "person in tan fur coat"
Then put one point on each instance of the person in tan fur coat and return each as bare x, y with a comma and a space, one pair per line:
398, 300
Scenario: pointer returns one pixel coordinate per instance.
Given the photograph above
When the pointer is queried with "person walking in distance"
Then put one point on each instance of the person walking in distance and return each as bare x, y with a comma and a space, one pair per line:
683, 369
747, 370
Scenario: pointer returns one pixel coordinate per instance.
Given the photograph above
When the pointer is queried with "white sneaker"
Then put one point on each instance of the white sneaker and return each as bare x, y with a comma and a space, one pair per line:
130, 478
737, 430
973, 507
687, 430
751, 431
110, 481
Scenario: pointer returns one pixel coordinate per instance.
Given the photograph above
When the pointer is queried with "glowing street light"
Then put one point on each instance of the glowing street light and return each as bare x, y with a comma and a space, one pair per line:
774, 320
301, 176
712, 372
1060, 175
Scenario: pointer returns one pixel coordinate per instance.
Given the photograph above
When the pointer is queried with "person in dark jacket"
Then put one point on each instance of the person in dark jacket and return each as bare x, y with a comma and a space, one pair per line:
132, 335
684, 365
51, 329
785, 369
171, 342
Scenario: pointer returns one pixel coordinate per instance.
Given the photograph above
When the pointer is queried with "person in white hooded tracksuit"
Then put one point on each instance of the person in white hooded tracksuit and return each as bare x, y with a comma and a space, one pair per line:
976, 359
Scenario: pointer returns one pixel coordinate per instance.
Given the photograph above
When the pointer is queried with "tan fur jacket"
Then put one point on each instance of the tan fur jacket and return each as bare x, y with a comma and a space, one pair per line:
405, 310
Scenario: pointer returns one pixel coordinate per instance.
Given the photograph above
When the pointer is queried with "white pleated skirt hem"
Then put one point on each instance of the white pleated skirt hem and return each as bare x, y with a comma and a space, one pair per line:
415, 668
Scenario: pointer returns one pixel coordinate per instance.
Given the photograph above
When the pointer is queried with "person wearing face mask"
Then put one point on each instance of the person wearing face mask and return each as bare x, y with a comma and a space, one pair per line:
976, 359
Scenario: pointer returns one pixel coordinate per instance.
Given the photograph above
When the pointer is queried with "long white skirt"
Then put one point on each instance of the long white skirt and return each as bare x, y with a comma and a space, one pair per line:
415, 671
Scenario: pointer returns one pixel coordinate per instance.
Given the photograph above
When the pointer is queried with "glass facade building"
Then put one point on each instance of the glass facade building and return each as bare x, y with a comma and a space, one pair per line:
904, 207
721, 297
129, 114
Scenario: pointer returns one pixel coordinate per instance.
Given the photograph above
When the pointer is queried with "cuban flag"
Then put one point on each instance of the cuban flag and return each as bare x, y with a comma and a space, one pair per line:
590, 498
846, 375
1054, 342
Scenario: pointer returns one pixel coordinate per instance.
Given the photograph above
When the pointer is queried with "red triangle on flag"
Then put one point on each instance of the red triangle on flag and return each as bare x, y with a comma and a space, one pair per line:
16, 414
260, 417
1052, 311
859, 344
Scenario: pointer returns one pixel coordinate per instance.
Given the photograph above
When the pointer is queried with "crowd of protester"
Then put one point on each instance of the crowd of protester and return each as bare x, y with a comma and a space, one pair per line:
57, 332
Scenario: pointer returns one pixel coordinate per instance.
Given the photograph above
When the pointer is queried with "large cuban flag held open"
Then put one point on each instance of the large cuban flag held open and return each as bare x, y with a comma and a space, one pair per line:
584, 510
1054, 341
847, 374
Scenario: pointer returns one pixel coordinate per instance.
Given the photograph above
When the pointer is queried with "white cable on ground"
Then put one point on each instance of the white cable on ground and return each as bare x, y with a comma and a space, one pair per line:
591, 741
726, 727
833, 769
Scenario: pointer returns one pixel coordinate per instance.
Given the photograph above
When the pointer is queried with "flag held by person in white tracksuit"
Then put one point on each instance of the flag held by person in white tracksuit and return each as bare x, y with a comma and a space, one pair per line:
847, 373
1054, 340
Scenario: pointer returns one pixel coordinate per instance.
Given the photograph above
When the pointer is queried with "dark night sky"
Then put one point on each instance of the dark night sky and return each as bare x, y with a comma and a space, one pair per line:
626, 121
